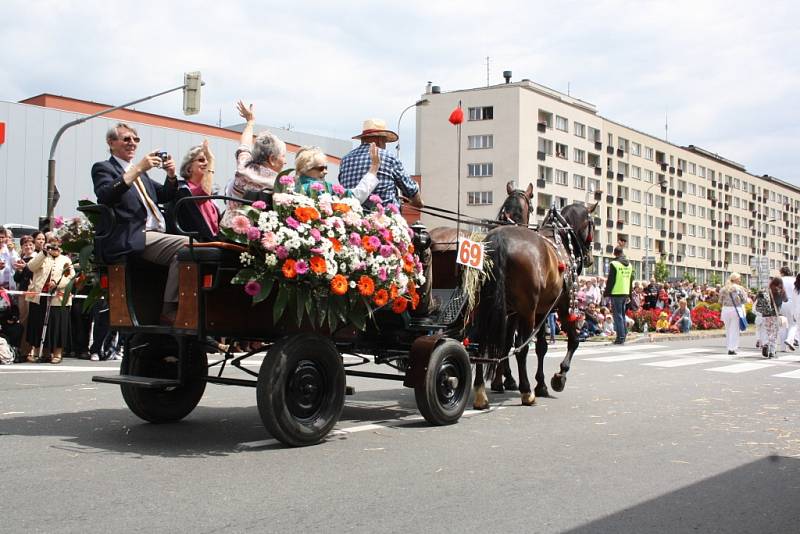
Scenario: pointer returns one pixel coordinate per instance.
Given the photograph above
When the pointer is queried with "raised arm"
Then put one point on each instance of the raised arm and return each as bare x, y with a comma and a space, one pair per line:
246, 112
369, 182
208, 177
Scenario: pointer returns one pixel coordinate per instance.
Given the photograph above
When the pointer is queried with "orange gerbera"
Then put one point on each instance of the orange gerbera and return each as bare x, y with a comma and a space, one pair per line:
339, 285
411, 248
414, 301
306, 213
341, 207
317, 264
337, 245
399, 305
381, 297
393, 293
288, 268
366, 286
368, 244
408, 266
412, 287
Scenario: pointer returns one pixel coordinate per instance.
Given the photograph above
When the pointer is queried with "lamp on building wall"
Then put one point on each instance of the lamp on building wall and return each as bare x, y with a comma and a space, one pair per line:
646, 234
423, 102
191, 105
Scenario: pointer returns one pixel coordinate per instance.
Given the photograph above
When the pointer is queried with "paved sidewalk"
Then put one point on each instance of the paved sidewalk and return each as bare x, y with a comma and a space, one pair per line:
654, 337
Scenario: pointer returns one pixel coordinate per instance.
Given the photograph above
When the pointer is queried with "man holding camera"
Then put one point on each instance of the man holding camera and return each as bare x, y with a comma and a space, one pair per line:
140, 228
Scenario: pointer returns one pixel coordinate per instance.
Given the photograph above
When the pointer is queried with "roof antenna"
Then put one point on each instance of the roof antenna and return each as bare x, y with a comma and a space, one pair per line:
487, 71
666, 126
567, 88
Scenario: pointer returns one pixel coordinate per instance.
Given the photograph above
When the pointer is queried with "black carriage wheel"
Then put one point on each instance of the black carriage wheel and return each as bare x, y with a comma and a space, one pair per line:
300, 389
155, 356
441, 399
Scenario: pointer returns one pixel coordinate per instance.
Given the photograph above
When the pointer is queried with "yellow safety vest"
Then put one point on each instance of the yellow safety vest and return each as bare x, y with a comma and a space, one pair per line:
622, 282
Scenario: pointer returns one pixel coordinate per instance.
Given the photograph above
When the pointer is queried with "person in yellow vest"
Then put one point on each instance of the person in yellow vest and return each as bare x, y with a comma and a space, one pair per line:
618, 287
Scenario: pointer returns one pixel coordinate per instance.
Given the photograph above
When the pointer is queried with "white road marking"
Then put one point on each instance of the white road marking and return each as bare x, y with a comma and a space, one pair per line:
790, 374
22, 368
622, 357
616, 349
680, 362
740, 367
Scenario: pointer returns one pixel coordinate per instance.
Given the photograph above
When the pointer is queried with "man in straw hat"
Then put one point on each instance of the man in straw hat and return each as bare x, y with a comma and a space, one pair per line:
391, 174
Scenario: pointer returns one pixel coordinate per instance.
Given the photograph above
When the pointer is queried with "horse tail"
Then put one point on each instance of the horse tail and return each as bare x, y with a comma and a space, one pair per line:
491, 314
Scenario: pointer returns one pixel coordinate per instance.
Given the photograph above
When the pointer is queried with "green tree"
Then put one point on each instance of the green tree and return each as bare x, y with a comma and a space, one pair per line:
689, 278
661, 271
714, 279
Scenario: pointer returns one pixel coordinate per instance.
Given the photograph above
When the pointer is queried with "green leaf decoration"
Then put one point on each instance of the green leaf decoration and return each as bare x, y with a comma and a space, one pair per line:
244, 276
85, 259
68, 290
358, 319
94, 295
280, 304
300, 305
291, 298
266, 289
233, 236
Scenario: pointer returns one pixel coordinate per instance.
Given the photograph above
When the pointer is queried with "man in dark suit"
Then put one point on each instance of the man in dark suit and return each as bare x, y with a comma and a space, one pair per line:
140, 227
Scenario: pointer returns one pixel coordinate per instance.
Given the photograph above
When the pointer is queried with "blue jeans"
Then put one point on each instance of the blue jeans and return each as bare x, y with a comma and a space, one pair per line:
551, 323
618, 311
684, 325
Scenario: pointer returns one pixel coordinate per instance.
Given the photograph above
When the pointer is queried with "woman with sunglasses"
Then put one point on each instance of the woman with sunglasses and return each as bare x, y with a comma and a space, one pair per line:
311, 167
201, 216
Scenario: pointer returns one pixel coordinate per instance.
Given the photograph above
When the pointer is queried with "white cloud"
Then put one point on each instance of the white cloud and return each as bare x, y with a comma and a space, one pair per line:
726, 72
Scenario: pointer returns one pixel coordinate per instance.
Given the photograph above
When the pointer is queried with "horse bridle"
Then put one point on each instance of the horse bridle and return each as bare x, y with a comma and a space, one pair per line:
522, 195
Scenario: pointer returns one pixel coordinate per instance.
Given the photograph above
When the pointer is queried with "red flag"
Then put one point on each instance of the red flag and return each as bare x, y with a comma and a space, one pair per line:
457, 116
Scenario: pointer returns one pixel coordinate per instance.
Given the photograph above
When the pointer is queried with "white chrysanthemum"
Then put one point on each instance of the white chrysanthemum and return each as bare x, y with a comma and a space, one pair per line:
271, 260
246, 258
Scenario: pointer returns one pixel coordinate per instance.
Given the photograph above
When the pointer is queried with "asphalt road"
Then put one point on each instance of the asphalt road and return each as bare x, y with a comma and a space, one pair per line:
669, 437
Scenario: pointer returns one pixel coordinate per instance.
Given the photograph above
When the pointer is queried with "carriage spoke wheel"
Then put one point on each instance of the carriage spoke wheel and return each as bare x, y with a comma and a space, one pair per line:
442, 397
300, 389
156, 356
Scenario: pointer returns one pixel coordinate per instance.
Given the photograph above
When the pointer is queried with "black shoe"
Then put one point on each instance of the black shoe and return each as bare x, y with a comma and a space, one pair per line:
789, 346
765, 351
731, 353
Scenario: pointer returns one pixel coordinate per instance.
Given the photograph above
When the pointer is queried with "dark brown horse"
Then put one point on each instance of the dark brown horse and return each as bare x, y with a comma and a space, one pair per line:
532, 274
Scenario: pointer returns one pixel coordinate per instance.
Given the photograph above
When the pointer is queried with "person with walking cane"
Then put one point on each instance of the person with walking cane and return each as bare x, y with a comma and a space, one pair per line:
52, 271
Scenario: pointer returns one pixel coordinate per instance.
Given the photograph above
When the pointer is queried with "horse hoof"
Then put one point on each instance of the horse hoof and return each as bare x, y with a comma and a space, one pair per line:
528, 399
511, 384
497, 389
541, 391
558, 381
480, 405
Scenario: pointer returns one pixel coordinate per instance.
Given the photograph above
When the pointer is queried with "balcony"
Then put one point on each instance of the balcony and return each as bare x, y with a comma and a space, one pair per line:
620, 153
713, 183
609, 224
610, 174
598, 171
672, 235
680, 193
664, 190
610, 199
610, 150
663, 233
620, 176
679, 236
719, 224
609, 249
727, 187
620, 225
672, 170
680, 173
540, 155
663, 166
598, 145
540, 210
672, 213
663, 211
679, 214
620, 200
671, 192
596, 221
542, 127
597, 246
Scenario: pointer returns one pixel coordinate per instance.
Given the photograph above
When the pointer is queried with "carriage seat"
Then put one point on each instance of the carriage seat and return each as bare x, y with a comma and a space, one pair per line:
224, 254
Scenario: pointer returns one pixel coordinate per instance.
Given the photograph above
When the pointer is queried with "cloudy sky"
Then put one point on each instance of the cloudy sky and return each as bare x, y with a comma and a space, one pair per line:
727, 73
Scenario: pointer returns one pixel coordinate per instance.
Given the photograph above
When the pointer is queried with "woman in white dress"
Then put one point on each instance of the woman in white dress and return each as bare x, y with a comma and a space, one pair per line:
732, 297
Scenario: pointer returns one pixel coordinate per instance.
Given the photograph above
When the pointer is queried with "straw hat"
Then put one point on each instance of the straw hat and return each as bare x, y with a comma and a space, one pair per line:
376, 127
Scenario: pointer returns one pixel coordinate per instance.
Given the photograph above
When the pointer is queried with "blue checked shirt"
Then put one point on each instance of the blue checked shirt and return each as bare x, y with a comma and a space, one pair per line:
391, 174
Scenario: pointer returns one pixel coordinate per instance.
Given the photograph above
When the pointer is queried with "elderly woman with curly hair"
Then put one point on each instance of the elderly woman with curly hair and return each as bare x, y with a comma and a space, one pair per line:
258, 163
201, 216
311, 167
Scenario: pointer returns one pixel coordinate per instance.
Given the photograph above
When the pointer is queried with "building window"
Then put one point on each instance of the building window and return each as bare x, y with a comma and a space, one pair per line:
691, 209
562, 177
579, 155
622, 144
475, 170
593, 134
636, 195
562, 124
648, 176
561, 150
636, 241
701, 171
546, 118
580, 129
692, 168
636, 218
478, 198
692, 189
648, 153
636, 172
485, 113
610, 139
636, 149
622, 168
546, 146
545, 173
481, 141
579, 181
592, 185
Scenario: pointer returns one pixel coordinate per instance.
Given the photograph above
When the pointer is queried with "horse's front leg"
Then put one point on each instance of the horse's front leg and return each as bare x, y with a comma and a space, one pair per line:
559, 379
541, 350
481, 401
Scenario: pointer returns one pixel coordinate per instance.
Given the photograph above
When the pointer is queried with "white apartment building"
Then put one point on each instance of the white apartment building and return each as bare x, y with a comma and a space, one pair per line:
710, 216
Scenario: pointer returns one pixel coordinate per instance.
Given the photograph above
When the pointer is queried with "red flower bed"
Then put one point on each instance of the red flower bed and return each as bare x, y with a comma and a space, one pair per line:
704, 318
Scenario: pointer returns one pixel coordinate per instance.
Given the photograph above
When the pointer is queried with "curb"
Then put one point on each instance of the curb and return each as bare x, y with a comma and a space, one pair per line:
660, 338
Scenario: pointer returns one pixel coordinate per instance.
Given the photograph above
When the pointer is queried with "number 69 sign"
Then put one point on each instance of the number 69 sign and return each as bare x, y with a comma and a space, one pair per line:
470, 253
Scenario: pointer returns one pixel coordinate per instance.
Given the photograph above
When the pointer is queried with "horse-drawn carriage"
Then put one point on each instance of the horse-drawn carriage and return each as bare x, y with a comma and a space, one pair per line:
300, 386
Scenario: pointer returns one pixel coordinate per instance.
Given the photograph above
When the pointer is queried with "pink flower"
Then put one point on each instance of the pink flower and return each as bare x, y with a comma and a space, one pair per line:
393, 208
317, 186
58, 222
240, 224
291, 222
253, 233
382, 274
301, 267
281, 252
269, 241
375, 199
374, 242
385, 251
315, 234
338, 189
259, 204
385, 234
355, 239
316, 250
287, 180
252, 288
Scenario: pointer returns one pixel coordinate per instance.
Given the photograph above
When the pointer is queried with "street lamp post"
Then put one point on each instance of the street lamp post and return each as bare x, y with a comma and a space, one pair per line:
423, 102
759, 254
646, 233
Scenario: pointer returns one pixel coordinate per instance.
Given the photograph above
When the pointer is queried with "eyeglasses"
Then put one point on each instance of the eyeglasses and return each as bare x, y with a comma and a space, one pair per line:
320, 168
130, 138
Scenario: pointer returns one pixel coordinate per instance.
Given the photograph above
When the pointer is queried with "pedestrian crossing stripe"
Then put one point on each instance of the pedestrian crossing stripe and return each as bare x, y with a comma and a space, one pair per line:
645, 355
790, 374
680, 362
740, 367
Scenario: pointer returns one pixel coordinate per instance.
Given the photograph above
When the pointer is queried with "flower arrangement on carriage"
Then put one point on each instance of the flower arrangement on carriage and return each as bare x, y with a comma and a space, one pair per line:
77, 238
324, 257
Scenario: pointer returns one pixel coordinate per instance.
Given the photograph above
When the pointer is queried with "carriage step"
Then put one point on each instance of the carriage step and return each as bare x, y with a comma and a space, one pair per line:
139, 381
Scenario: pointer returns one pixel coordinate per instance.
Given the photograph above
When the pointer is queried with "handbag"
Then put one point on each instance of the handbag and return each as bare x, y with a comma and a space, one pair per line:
742, 318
